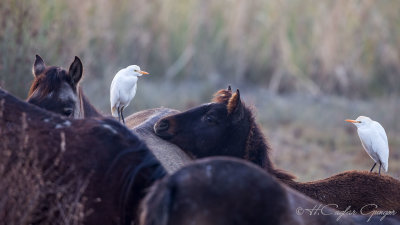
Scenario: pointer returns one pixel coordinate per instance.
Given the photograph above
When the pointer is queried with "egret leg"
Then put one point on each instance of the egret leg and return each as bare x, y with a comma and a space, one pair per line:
119, 118
373, 167
122, 115
380, 165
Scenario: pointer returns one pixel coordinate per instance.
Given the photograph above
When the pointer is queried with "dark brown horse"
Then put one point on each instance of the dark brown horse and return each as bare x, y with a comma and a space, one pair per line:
57, 90
56, 170
225, 191
226, 127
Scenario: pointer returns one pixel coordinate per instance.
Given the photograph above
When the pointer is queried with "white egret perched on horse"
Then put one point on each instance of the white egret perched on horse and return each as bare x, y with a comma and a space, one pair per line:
123, 89
374, 140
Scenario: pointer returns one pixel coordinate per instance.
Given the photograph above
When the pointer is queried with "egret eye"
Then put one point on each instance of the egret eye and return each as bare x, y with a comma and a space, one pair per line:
67, 112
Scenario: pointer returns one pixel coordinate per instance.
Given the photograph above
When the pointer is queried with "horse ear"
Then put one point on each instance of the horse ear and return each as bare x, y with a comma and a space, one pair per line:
38, 66
76, 70
235, 106
229, 88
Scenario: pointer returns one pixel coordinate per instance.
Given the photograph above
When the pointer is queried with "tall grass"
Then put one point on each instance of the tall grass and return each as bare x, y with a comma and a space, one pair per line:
337, 47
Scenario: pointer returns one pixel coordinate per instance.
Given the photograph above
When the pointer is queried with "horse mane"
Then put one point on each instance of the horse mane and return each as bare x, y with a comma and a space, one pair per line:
50, 80
88, 109
257, 147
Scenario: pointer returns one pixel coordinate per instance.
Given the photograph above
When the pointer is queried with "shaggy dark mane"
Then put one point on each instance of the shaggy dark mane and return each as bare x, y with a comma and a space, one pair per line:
88, 109
258, 148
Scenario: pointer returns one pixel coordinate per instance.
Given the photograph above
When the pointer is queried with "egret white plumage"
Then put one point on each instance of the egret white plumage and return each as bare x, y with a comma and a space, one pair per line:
123, 89
374, 140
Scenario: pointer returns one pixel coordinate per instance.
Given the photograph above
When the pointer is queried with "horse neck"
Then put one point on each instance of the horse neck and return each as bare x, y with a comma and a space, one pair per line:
257, 151
257, 148
86, 109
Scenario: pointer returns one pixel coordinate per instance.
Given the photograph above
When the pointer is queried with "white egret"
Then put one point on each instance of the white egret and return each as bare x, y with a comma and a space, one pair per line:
123, 89
374, 140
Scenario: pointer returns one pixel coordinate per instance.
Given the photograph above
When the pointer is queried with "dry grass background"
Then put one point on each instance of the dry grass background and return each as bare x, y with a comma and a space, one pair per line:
305, 65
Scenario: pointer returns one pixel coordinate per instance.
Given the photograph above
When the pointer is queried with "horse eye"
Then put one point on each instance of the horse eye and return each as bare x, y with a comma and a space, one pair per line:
67, 112
210, 119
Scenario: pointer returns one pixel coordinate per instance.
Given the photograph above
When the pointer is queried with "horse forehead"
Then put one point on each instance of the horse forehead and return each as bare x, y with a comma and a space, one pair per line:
66, 93
216, 107
52, 81
196, 110
204, 108
38, 94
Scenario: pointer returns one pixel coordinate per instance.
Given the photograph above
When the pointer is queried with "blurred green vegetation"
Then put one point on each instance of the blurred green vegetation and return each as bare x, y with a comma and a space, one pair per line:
306, 65
340, 47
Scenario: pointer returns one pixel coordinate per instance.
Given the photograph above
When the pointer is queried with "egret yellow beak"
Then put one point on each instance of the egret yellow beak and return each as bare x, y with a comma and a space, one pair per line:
143, 72
353, 121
